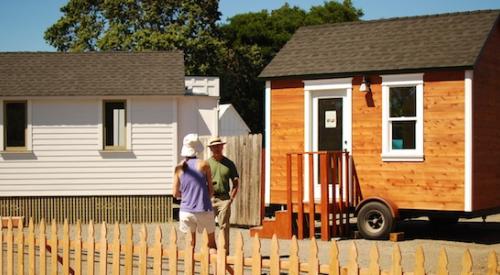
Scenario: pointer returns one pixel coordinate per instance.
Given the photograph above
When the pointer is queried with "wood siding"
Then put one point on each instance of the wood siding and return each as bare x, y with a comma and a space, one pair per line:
287, 131
67, 159
486, 129
437, 183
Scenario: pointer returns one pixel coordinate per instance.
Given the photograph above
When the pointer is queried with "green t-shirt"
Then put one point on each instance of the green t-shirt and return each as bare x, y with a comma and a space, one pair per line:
222, 172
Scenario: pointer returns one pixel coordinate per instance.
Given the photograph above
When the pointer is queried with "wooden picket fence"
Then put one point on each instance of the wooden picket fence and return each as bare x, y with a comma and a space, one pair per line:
143, 257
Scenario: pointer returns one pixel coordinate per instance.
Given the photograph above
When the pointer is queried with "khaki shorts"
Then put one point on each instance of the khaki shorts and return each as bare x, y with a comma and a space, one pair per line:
196, 221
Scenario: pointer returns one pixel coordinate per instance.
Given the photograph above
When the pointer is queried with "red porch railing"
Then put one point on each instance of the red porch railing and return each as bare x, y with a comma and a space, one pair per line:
331, 171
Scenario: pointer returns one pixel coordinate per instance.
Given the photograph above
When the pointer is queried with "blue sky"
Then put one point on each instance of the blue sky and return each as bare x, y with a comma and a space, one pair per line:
23, 22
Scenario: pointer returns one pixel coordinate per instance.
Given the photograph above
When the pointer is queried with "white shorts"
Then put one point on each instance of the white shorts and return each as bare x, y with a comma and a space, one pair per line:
190, 222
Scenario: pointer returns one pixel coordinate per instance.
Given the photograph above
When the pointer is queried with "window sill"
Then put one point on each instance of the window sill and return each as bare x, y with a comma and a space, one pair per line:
16, 152
387, 157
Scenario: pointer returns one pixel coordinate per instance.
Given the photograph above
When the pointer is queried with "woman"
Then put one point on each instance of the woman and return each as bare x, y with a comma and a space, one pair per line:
191, 185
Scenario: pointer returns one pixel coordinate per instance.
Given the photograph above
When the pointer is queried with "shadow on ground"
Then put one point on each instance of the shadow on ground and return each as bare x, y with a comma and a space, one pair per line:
463, 231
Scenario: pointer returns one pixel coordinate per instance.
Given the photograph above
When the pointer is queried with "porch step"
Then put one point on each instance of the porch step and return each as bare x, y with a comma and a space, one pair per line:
279, 225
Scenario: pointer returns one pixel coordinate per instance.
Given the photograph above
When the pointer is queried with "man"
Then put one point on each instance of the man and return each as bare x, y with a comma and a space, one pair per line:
223, 170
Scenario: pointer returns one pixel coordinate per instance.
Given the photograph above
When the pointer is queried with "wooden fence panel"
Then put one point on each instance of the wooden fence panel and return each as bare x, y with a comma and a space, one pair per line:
153, 252
246, 153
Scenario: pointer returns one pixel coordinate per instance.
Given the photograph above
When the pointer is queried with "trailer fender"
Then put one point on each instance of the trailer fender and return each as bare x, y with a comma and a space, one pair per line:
392, 206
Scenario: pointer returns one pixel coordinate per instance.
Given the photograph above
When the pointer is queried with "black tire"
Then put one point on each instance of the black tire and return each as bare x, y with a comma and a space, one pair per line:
375, 221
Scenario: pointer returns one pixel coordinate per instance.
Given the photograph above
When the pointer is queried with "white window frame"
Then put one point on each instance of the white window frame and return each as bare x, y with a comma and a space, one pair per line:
402, 80
128, 125
28, 133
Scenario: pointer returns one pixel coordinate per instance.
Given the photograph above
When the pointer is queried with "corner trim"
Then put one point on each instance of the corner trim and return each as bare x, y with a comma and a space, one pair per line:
468, 141
268, 142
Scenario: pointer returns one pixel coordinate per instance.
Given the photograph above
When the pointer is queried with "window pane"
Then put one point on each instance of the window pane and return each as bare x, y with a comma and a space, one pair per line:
403, 135
114, 123
15, 118
403, 101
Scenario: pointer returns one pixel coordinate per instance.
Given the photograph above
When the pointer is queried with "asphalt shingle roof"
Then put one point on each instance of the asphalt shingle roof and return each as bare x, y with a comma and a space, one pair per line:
90, 74
432, 41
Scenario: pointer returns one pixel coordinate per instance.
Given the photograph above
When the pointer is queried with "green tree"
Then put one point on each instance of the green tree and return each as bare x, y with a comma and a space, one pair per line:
237, 51
134, 25
253, 39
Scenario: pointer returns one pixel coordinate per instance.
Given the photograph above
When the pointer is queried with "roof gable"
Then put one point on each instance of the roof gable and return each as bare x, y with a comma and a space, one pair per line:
91, 73
434, 41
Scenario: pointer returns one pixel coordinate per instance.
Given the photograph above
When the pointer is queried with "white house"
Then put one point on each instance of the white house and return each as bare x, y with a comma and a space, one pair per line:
230, 122
96, 135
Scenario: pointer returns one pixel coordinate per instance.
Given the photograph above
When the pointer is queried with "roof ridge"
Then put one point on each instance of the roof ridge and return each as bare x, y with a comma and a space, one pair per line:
400, 18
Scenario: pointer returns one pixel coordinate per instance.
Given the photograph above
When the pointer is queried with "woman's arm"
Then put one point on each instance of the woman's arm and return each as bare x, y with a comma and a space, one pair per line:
176, 190
208, 173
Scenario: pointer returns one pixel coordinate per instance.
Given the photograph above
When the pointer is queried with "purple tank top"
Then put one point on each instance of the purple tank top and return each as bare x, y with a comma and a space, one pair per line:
194, 190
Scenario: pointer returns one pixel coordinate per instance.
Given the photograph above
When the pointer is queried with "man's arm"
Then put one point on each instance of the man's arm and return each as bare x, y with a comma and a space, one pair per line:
236, 186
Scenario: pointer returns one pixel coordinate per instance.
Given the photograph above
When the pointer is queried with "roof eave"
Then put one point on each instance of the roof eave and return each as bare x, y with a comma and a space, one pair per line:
357, 73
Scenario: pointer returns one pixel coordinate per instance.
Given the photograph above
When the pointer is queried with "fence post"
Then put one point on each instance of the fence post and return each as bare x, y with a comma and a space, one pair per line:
20, 247
352, 265
90, 248
275, 256
289, 203
374, 268
313, 257
103, 251
78, 248
143, 244
466, 263
204, 254
334, 265
492, 263
116, 250
294, 262
256, 256
65, 247
238, 254
419, 261
157, 250
325, 201
129, 250
300, 196
31, 248
221, 254
396, 261
10, 248
1, 250
172, 252
42, 239
442, 263
53, 248
311, 195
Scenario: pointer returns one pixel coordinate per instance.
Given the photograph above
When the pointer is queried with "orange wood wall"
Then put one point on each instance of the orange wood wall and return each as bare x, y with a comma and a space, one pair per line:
486, 126
436, 183
287, 131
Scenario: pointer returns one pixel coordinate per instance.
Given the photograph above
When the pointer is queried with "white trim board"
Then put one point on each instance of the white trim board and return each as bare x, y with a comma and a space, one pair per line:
268, 143
313, 91
468, 141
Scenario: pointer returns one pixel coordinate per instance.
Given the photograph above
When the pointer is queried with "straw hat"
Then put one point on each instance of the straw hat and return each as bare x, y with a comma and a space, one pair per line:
191, 145
215, 141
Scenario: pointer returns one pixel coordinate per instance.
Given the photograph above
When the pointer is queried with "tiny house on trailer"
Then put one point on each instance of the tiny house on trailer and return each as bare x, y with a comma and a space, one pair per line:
393, 118
96, 136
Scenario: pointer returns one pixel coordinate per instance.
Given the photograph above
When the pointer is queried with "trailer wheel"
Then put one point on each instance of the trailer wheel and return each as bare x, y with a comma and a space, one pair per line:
375, 221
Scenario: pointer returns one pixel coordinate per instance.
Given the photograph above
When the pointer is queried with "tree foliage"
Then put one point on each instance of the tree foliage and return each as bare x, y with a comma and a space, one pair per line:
237, 51
134, 25
255, 38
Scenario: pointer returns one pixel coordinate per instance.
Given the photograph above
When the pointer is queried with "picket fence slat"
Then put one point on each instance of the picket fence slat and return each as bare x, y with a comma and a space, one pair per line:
10, 248
20, 248
36, 247
116, 250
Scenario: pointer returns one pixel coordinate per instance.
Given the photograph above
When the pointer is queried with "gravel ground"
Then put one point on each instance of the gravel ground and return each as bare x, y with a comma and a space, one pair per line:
478, 237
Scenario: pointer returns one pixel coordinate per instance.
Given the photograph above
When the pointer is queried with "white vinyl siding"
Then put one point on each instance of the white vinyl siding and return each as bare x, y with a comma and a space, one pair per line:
67, 158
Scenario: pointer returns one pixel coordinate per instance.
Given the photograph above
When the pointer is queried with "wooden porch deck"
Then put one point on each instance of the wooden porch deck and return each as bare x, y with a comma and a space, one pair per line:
332, 213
